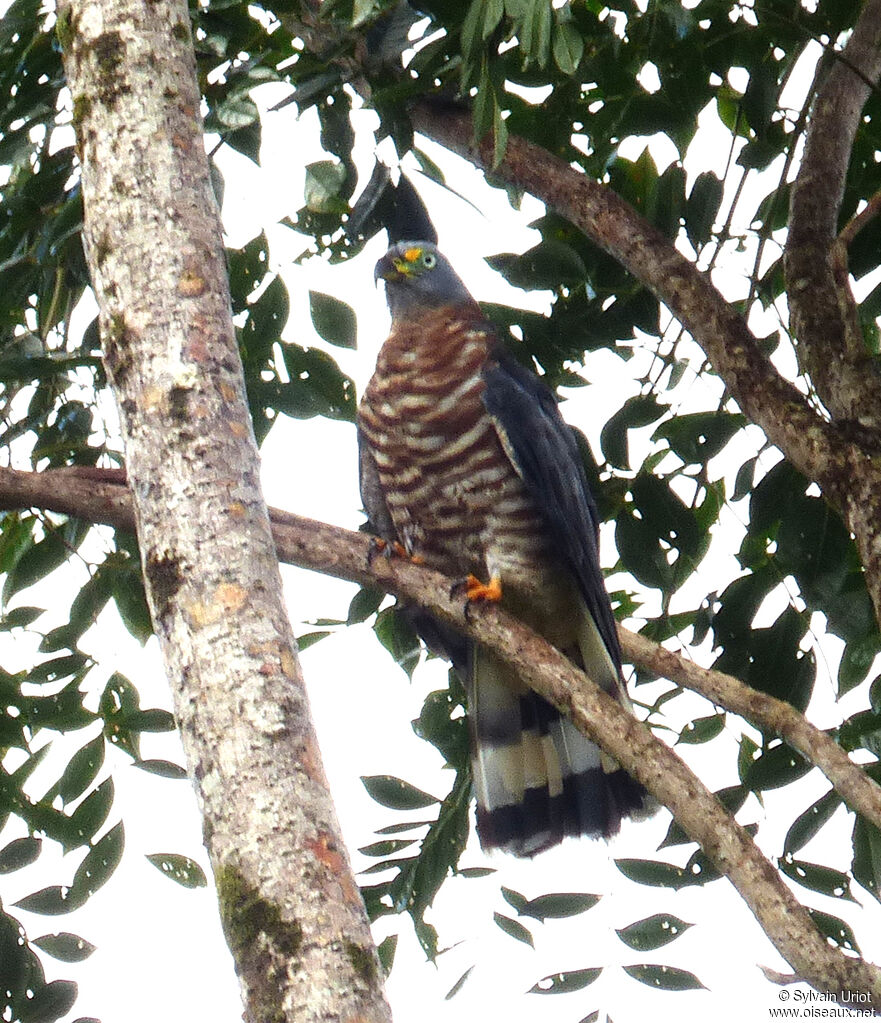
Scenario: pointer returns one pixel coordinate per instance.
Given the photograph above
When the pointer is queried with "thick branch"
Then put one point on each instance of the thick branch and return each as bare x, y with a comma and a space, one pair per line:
344, 554
848, 473
769, 400
291, 910
823, 312
855, 787
548, 672
99, 495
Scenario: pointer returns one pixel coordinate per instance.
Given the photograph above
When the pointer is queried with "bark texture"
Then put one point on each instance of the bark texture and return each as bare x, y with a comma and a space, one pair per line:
291, 910
823, 313
95, 494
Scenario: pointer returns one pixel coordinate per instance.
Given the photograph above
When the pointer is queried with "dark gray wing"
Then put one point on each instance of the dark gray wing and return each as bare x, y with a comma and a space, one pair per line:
545, 454
379, 519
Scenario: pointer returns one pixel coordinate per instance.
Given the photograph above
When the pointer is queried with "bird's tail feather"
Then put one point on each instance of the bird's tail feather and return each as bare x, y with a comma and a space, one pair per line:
536, 777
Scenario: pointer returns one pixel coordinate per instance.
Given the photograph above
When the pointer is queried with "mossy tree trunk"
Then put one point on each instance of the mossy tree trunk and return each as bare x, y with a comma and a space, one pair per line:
292, 912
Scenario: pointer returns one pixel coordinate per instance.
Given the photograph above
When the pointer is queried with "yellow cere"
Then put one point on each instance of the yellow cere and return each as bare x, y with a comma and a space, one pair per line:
411, 255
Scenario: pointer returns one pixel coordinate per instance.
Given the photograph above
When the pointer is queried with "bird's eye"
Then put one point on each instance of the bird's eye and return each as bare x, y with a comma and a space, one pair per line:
429, 260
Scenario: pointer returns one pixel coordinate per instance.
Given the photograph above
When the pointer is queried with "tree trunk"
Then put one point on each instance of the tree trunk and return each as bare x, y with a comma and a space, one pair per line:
292, 913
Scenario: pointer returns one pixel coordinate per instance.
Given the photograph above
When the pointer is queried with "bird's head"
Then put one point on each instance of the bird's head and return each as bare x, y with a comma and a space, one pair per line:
419, 277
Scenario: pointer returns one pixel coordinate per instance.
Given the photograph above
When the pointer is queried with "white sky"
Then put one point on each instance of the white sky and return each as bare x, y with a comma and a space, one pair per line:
160, 954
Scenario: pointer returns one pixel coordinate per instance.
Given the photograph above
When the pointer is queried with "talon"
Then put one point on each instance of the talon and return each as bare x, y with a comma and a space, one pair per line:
377, 546
390, 549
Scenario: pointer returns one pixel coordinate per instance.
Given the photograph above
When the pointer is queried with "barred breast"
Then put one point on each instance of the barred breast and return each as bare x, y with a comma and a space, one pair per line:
453, 495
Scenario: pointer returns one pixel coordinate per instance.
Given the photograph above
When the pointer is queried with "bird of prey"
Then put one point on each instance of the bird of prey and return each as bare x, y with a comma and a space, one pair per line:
466, 462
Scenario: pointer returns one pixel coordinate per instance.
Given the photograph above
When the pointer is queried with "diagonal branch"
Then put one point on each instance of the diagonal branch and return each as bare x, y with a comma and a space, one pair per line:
344, 554
855, 787
100, 495
842, 458
766, 397
825, 321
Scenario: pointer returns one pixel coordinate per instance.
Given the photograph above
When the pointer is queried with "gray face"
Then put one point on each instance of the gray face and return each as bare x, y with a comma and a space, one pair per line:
417, 276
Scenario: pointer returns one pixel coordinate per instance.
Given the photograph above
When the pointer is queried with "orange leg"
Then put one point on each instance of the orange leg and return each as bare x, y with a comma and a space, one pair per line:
476, 590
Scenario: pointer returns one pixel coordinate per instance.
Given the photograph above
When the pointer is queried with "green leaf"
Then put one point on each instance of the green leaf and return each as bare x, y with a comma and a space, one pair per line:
386, 848
638, 411
394, 630
236, 112
702, 729
419, 878
866, 865
365, 603
732, 797
514, 929
743, 482
90, 815
699, 436
51, 1002
514, 899
308, 639
386, 951
333, 319
81, 770
324, 182
57, 668
21, 617
568, 47
457, 987
67, 947
856, 662
182, 869
154, 720
38, 561
545, 266
19, 853
664, 978
653, 872
809, 823
776, 767
162, 768
51, 901
440, 724
395, 793
564, 983
396, 829
119, 699
534, 32
483, 105
702, 208
699, 870
21, 774
837, 931
652, 932
131, 603
471, 33
558, 905
817, 877
861, 731
97, 866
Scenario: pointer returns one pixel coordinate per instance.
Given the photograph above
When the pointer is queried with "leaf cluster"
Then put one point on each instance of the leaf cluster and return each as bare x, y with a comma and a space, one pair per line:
593, 83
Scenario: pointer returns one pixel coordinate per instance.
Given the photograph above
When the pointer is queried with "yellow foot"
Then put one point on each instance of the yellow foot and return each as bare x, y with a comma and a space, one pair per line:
476, 590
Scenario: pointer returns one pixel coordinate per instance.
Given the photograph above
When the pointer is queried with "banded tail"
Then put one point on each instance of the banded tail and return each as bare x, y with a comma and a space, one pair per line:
537, 779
